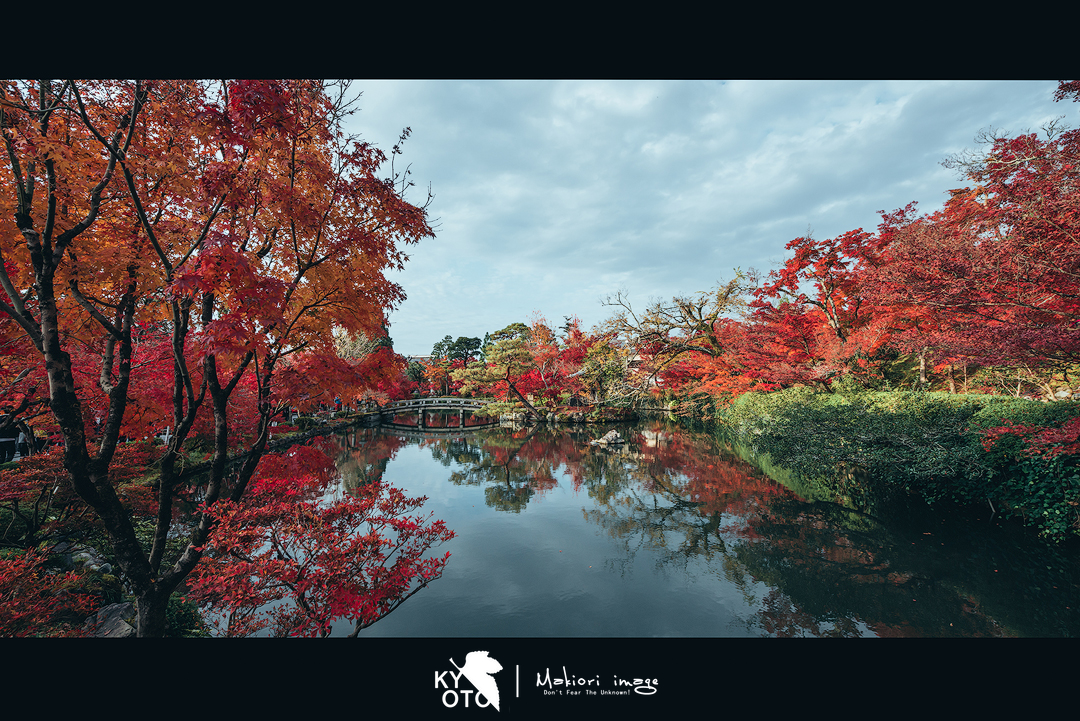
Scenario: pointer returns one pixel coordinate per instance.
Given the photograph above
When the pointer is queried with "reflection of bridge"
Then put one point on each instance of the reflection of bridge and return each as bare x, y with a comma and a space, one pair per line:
453, 433
423, 406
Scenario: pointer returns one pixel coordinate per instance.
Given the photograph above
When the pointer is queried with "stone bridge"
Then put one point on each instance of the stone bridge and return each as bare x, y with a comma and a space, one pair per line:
422, 406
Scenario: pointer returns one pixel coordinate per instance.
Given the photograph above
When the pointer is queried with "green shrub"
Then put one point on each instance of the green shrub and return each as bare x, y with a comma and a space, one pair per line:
904, 438
1017, 411
922, 442
1044, 492
183, 620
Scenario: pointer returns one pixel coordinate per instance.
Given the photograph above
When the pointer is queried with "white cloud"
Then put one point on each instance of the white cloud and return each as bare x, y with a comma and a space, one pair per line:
551, 195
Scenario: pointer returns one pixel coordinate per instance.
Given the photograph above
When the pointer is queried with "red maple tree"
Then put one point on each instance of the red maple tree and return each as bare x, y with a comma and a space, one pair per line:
282, 559
204, 238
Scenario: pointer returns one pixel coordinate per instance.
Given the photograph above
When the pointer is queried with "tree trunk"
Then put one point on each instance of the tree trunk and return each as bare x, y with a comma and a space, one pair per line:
152, 605
523, 400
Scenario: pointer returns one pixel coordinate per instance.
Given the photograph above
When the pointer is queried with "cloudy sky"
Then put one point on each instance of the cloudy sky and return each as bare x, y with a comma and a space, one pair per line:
550, 196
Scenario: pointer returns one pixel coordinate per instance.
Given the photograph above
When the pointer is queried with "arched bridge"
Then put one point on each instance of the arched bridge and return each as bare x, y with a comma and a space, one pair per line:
422, 406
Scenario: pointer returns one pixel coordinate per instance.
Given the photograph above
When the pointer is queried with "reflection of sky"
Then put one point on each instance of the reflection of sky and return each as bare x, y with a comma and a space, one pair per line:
552, 195
546, 572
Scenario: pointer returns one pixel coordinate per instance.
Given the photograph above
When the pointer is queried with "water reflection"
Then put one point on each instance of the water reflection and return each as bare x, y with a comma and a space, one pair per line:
675, 534
363, 454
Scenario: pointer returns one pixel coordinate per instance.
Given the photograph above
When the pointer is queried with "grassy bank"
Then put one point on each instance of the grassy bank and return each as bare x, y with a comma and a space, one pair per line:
966, 448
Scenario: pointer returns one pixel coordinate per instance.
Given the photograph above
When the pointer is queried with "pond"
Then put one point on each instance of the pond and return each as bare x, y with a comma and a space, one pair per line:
675, 534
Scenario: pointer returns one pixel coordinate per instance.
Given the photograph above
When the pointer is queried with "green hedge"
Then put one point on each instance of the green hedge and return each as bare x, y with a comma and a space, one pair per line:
926, 443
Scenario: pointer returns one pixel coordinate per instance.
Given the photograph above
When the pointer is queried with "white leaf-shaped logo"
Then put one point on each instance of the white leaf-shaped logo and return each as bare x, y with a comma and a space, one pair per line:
478, 669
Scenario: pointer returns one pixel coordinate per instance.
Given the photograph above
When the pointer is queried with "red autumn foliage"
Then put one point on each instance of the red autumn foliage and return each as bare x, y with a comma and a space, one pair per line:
996, 270
285, 560
45, 508
35, 601
1039, 441
813, 319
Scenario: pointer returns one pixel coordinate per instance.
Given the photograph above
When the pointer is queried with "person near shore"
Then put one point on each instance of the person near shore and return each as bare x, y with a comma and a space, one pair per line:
7, 445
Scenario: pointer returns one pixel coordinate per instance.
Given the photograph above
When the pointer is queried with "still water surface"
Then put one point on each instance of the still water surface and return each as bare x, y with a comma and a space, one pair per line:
674, 534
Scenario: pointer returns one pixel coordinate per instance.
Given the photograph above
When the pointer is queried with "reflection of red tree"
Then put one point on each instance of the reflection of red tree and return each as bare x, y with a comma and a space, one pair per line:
781, 618
364, 453
900, 630
531, 455
571, 455
690, 466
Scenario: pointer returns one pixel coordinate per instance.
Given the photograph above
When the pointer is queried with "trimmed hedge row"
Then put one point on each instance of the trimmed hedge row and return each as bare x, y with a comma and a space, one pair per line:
926, 443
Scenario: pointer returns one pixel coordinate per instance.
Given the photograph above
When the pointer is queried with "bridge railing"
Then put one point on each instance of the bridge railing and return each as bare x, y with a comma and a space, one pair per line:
436, 403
